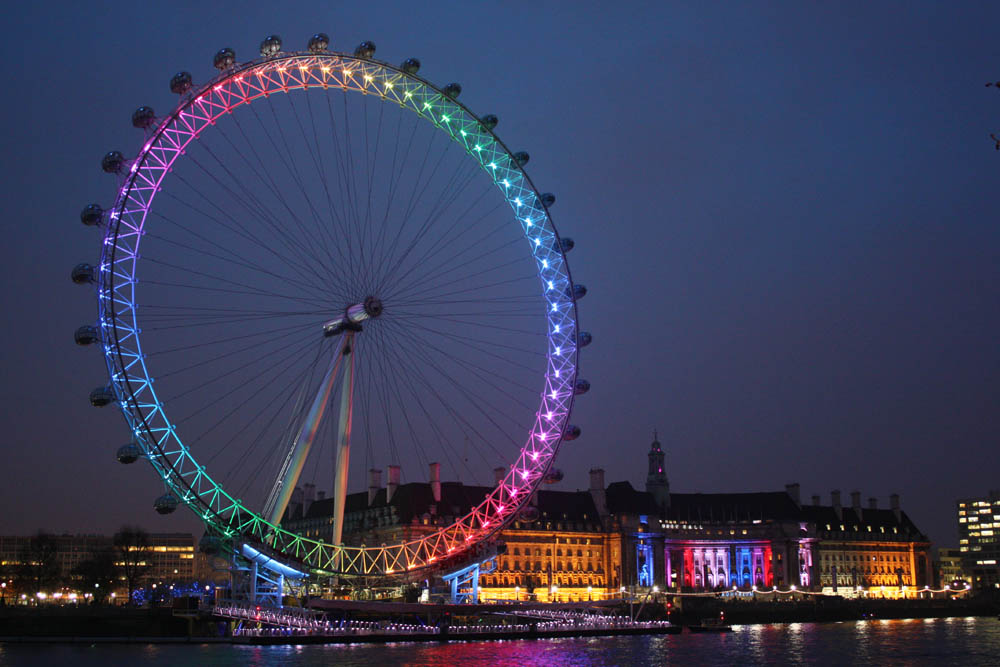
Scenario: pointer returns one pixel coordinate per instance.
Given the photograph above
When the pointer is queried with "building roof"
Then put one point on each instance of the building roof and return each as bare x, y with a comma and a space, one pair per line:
622, 498
415, 499
861, 518
735, 507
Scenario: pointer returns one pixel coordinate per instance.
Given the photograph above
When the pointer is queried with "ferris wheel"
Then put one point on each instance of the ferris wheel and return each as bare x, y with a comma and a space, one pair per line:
319, 263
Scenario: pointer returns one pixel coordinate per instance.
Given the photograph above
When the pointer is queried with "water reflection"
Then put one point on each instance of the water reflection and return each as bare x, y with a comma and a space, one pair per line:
964, 641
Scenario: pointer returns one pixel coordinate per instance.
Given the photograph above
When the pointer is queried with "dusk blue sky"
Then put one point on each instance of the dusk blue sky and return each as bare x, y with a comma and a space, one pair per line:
785, 213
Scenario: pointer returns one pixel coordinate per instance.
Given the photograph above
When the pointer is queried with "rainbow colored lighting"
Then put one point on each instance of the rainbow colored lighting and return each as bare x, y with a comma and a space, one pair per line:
120, 261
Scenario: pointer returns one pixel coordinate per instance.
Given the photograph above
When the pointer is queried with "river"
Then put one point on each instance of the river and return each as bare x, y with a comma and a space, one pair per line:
949, 641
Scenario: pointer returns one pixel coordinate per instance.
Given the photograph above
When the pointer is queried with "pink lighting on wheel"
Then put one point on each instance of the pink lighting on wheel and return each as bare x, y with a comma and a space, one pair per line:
188, 122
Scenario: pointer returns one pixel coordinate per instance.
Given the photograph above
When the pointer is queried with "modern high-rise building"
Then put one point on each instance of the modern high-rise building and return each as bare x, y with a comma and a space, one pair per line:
978, 531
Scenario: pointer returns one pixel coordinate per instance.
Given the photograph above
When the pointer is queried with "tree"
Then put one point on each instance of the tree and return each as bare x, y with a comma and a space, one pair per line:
39, 564
134, 555
98, 574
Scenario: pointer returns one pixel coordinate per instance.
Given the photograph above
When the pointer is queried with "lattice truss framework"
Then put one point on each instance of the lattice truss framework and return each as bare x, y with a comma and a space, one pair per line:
120, 323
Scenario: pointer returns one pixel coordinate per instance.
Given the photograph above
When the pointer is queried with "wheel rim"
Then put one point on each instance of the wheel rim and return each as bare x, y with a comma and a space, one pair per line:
121, 324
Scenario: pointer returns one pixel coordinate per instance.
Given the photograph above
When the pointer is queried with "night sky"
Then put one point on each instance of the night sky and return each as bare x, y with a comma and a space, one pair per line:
785, 216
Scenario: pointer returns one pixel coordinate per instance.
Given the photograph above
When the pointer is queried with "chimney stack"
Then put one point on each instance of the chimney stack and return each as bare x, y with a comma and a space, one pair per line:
296, 499
793, 490
498, 475
308, 496
816, 501
856, 501
435, 469
835, 501
374, 484
597, 491
873, 503
894, 505
390, 489
320, 495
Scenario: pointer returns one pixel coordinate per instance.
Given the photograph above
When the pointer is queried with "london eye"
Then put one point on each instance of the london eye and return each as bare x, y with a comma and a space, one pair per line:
318, 263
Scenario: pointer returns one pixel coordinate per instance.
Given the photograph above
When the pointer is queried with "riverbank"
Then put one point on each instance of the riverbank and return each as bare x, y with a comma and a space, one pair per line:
122, 625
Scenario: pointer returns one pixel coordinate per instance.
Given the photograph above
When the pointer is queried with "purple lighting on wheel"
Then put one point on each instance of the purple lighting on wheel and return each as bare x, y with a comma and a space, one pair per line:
132, 381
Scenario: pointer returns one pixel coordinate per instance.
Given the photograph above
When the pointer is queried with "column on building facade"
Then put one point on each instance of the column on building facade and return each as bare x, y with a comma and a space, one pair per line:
659, 563
734, 566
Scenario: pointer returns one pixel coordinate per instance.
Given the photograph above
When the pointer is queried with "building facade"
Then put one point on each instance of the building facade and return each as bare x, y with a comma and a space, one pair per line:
580, 545
171, 557
978, 530
950, 570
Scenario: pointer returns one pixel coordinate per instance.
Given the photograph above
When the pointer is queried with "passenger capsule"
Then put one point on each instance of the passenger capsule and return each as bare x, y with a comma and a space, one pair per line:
410, 66
271, 46
553, 476
91, 215
224, 59
180, 83
529, 514
129, 453
582, 387
584, 339
165, 504
490, 121
319, 42
452, 90
578, 292
86, 335
365, 50
566, 244
112, 162
102, 396
547, 199
143, 117
572, 432
209, 545
82, 274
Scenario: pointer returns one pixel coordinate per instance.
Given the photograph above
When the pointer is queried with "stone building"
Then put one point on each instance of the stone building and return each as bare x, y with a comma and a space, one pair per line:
579, 545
